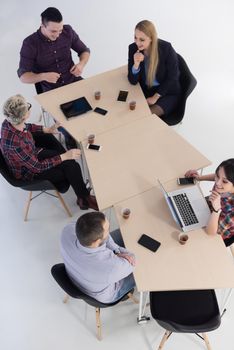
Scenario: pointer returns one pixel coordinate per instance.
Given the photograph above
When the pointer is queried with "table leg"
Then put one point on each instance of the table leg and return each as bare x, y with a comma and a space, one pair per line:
142, 318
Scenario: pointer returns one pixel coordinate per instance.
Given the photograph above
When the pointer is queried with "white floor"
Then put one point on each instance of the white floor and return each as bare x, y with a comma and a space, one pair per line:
32, 313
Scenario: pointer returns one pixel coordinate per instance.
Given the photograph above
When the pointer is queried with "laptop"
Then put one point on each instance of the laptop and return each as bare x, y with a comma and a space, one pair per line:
188, 207
75, 107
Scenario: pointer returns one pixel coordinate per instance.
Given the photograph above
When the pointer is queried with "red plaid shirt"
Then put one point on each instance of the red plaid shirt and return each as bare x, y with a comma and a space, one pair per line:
20, 152
226, 219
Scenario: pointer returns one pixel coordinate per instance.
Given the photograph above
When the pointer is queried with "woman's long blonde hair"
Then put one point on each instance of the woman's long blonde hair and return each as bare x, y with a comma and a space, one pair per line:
149, 30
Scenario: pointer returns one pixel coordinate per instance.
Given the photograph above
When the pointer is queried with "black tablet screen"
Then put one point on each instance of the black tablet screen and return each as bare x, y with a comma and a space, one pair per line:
75, 107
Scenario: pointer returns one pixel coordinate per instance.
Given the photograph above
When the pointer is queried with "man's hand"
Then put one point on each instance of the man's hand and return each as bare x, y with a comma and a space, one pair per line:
77, 69
130, 258
50, 77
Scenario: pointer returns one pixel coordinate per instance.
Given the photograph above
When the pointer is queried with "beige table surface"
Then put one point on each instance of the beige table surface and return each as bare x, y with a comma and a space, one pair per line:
133, 156
109, 83
203, 263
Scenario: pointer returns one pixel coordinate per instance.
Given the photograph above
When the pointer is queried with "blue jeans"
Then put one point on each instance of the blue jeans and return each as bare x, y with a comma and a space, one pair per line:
128, 283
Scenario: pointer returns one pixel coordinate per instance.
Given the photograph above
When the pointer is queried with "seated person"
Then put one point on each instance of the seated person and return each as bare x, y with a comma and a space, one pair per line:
95, 263
43, 158
222, 200
153, 63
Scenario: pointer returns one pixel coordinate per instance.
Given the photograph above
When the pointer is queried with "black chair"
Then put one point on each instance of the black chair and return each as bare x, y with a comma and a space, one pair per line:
187, 83
191, 311
59, 273
33, 185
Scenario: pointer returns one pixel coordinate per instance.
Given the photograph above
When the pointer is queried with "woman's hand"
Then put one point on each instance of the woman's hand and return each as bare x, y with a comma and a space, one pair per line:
215, 200
138, 58
153, 99
71, 154
52, 129
192, 173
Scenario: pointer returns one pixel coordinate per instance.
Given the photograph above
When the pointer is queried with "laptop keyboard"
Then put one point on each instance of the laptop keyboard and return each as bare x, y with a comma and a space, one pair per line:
185, 209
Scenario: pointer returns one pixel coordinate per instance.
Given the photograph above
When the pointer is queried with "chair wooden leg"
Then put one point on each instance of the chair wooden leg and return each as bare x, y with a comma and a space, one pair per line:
65, 299
27, 206
63, 203
164, 339
204, 335
131, 296
98, 324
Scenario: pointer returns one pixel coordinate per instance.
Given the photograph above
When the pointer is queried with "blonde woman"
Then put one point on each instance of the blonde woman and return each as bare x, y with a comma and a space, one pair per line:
153, 63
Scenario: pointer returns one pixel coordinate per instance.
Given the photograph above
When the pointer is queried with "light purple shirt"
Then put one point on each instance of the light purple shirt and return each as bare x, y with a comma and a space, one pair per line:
98, 272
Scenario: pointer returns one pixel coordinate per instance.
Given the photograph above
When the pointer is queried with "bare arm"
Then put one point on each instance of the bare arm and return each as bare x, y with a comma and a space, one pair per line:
212, 226
194, 173
33, 78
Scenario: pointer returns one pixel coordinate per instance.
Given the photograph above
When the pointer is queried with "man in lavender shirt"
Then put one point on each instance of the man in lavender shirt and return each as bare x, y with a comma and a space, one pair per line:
94, 262
46, 57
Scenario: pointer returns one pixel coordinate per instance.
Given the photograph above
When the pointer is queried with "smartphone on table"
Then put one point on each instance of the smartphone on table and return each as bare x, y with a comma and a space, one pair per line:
122, 96
149, 243
186, 180
100, 111
94, 147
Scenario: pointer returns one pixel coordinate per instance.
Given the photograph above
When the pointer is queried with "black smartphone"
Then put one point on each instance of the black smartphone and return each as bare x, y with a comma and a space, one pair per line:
100, 110
149, 243
186, 180
122, 96
94, 147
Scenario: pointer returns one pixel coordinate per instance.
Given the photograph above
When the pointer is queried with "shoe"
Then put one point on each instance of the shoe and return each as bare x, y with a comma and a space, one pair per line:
92, 202
82, 204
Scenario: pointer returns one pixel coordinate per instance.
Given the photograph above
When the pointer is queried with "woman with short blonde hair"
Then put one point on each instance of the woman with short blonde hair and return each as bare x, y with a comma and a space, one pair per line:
32, 152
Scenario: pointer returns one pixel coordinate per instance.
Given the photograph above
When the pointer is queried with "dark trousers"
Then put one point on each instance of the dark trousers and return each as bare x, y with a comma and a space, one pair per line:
65, 174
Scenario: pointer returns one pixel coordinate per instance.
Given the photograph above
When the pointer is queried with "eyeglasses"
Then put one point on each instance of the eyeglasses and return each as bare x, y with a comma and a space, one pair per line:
29, 106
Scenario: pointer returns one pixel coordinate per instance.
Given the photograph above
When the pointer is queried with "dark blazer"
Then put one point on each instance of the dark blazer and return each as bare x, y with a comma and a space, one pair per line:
167, 72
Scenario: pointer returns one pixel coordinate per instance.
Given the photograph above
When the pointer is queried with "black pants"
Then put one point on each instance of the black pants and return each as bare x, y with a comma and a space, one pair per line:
65, 174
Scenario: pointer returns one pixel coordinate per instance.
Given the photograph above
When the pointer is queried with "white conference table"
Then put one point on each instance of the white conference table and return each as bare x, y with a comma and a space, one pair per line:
109, 83
134, 155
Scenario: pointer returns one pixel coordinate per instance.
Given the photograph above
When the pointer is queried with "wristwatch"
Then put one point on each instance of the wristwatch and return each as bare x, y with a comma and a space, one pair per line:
116, 251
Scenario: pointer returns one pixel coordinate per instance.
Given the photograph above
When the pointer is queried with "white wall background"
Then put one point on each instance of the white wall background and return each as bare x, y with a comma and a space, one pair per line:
32, 316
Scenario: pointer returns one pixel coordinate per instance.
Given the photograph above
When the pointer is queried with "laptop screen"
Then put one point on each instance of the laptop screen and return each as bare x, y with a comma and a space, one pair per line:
75, 107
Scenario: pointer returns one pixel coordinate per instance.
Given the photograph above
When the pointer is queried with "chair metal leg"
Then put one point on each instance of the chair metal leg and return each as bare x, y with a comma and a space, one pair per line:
164, 339
27, 206
98, 324
206, 341
63, 204
65, 299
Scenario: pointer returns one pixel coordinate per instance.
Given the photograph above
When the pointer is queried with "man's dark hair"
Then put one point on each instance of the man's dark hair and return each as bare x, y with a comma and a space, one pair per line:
228, 166
89, 228
51, 14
